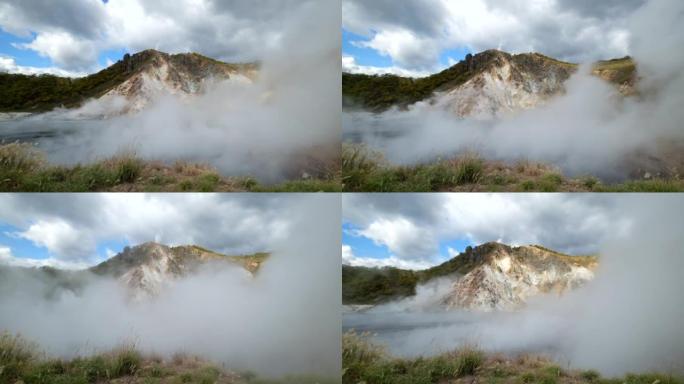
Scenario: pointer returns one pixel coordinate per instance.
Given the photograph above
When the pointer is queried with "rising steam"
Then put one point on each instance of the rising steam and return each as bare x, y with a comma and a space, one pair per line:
267, 129
590, 129
283, 321
628, 319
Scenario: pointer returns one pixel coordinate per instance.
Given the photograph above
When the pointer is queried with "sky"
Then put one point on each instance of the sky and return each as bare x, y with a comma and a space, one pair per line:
77, 37
417, 231
419, 37
79, 230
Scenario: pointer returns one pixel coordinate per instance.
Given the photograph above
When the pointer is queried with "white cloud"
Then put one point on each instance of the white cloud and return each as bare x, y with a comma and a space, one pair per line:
349, 258
349, 65
8, 258
73, 33
413, 225
70, 226
65, 50
401, 236
9, 65
452, 252
415, 34
60, 237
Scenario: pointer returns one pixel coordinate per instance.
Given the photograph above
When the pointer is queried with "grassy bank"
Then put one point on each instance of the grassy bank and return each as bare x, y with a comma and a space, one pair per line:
363, 362
23, 168
20, 362
367, 170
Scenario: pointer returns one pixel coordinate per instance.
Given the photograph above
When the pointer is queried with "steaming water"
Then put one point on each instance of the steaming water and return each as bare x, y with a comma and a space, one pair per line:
410, 334
59, 139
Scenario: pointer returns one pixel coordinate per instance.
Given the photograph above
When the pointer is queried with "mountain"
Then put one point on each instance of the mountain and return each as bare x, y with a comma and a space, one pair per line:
488, 84
144, 269
138, 78
491, 276
148, 267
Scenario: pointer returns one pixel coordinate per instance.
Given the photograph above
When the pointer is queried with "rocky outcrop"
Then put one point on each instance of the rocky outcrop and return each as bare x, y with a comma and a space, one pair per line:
503, 277
502, 83
147, 268
151, 74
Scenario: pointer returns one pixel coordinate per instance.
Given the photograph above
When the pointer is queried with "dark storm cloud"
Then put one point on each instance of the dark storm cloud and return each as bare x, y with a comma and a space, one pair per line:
420, 16
601, 9
79, 17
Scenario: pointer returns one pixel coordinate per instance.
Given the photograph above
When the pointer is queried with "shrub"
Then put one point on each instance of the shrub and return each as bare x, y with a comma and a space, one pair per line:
468, 360
16, 355
126, 361
128, 169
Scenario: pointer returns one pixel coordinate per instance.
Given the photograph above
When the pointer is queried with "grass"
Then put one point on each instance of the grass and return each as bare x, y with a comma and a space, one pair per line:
365, 170
367, 363
21, 362
364, 362
23, 168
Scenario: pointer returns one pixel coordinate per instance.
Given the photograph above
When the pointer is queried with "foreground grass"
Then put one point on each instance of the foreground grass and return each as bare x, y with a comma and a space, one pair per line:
364, 170
23, 169
21, 363
363, 362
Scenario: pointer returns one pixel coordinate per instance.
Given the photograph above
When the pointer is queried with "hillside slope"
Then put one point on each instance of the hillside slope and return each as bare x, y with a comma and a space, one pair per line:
138, 78
145, 269
487, 277
488, 83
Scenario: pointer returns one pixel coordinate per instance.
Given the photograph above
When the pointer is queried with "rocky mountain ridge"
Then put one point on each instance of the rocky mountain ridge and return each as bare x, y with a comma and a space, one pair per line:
153, 74
148, 267
491, 276
144, 270
485, 85
136, 79
505, 277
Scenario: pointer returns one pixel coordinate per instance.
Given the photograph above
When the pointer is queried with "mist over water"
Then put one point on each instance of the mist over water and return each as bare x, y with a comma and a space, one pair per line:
261, 129
590, 129
628, 319
285, 320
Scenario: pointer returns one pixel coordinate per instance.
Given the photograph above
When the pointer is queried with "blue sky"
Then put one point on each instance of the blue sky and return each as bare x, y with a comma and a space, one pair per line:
23, 248
363, 247
369, 57
10, 46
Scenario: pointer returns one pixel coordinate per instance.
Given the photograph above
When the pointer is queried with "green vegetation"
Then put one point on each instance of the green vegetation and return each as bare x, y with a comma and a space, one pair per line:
23, 168
364, 170
363, 285
40, 93
378, 93
367, 363
364, 362
20, 362
618, 71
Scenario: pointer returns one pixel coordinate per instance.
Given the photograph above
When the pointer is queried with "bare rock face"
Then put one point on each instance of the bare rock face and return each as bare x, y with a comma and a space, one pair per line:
147, 268
503, 83
152, 74
505, 277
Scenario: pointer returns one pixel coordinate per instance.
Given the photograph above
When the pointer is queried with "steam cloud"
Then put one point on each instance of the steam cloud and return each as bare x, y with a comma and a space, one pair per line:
261, 130
628, 319
283, 321
590, 129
